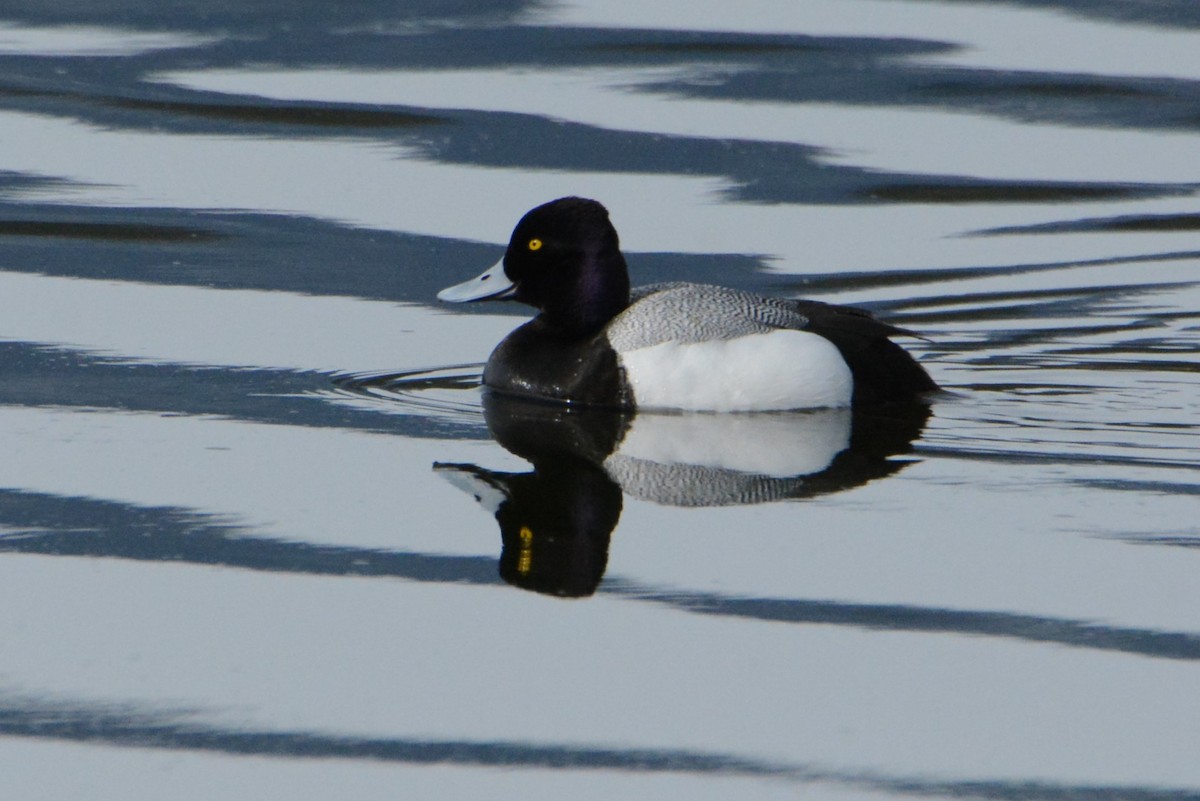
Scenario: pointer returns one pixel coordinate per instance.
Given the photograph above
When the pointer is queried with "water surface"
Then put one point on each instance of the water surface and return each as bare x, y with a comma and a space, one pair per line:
261, 533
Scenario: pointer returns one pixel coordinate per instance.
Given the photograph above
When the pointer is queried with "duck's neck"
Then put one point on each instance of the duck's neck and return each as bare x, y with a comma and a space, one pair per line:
600, 292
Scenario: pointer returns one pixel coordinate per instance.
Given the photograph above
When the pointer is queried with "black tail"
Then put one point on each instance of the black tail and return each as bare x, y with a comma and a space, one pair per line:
883, 371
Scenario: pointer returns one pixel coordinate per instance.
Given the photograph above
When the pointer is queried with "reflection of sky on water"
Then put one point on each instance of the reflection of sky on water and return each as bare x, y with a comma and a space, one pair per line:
641, 100
363, 185
984, 35
84, 41
803, 673
235, 328
211, 548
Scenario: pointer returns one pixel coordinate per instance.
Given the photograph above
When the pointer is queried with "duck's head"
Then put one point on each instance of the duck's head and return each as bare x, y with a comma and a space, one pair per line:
564, 259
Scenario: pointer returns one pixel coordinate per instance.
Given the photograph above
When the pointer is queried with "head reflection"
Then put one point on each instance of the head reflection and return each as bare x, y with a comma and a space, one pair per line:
556, 519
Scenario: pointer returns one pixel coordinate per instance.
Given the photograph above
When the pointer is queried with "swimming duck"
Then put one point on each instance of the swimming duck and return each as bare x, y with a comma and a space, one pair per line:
672, 345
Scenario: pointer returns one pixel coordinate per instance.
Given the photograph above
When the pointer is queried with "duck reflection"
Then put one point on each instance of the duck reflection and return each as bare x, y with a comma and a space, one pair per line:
556, 520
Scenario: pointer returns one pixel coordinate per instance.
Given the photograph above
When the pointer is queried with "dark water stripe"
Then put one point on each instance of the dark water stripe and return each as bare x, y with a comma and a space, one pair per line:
902, 617
837, 282
1184, 222
1016, 456
50, 525
132, 728
278, 252
39, 376
323, 115
106, 231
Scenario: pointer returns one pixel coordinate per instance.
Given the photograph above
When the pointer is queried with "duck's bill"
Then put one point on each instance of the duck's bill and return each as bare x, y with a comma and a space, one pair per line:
490, 285
484, 485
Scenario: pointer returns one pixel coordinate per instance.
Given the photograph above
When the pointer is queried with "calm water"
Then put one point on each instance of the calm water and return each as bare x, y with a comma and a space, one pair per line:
261, 535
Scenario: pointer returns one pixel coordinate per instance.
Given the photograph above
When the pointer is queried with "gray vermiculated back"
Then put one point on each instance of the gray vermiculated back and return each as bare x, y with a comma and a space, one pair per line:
682, 312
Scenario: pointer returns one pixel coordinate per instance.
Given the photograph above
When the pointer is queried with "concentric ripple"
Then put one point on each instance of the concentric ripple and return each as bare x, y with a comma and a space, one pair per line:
449, 394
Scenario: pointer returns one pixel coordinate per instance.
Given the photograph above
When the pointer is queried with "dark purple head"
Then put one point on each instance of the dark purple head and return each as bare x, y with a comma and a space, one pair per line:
565, 260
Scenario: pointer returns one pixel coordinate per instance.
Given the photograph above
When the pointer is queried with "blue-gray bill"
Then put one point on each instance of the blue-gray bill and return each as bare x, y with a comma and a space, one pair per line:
491, 284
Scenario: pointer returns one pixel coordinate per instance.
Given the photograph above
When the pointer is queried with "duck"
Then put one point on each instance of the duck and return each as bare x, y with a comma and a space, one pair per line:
679, 346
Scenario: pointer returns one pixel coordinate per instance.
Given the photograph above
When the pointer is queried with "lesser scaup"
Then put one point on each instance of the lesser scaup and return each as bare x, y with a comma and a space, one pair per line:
673, 345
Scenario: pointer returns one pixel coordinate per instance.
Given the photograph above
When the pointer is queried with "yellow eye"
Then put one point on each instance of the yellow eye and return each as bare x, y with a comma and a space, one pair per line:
535, 244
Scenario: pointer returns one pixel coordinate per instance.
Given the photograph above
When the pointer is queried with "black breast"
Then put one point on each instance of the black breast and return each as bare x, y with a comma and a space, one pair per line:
534, 362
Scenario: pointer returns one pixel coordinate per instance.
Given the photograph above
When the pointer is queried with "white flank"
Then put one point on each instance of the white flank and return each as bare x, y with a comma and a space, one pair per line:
760, 372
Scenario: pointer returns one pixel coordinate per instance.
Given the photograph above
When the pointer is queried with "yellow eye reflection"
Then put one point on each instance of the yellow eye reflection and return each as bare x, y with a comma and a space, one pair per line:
525, 556
535, 244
